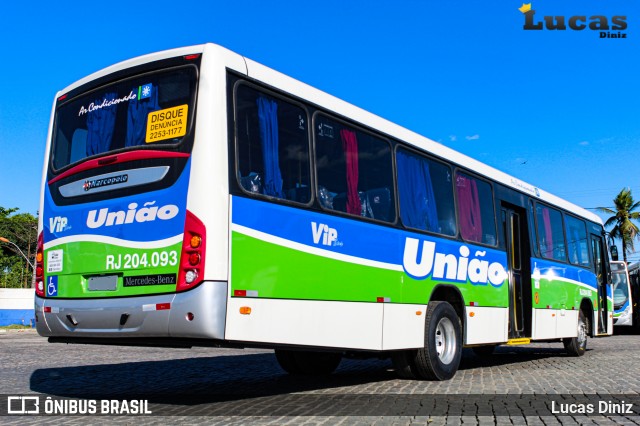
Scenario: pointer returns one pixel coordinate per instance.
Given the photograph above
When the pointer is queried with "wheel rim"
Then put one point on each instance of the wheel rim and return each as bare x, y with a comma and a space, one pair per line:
446, 344
582, 333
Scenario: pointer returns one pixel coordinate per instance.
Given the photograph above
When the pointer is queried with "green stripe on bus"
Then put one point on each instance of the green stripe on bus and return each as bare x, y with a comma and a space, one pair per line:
275, 271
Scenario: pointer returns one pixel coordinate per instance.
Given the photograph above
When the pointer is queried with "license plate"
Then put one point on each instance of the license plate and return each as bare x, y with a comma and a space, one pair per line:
103, 283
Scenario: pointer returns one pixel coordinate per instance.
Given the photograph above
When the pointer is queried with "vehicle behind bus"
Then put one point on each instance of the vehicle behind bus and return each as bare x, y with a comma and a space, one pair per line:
622, 302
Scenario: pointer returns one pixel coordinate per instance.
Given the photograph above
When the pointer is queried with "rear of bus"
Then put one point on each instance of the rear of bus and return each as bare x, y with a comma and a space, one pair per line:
123, 245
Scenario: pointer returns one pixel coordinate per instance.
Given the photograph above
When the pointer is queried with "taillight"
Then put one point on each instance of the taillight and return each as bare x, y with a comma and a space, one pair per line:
39, 272
193, 253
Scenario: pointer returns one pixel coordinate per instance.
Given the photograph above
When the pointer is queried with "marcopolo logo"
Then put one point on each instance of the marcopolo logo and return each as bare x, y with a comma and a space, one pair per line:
449, 266
98, 183
148, 213
607, 27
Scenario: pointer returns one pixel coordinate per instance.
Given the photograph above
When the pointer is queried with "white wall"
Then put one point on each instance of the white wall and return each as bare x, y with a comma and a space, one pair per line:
16, 298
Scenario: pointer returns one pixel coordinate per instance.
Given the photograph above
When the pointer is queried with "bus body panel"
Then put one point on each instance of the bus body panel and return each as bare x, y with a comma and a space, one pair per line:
486, 325
349, 260
306, 323
209, 186
162, 315
319, 257
136, 240
558, 291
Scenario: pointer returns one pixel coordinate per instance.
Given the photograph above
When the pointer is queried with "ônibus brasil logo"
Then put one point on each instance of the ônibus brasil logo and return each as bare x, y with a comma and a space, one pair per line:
605, 26
148, 213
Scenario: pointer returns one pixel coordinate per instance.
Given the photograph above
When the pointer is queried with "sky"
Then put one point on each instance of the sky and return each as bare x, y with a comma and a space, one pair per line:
559, 109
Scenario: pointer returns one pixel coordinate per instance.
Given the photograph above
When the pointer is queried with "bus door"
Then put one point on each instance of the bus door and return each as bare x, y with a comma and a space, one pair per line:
514, 223
601, 282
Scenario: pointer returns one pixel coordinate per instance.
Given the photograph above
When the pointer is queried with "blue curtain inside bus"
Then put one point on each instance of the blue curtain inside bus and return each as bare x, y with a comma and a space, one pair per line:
350, 148
100, 125
469, 209
137, 114
417, 199
268, 117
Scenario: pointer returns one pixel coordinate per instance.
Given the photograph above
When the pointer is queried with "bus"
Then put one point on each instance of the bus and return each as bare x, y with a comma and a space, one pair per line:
622, 303
634, 285
194, 197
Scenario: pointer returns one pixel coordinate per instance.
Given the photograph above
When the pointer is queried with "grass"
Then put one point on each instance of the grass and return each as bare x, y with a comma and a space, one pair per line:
15, 327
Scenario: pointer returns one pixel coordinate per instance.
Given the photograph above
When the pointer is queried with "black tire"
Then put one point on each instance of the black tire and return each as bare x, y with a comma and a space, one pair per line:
402, 363
308, 363
484, 351
577, 346
440, 357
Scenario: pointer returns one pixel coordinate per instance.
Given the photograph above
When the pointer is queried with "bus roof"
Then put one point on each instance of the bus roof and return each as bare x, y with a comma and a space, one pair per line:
302, 90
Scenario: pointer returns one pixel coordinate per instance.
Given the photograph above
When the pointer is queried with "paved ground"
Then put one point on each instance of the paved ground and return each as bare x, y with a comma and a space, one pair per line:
204, 386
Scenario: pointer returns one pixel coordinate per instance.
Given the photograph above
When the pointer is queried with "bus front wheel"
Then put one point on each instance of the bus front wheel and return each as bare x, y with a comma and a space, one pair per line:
440, 357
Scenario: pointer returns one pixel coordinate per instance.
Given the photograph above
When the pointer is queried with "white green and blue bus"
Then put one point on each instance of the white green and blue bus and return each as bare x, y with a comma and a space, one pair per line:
195, 197
622, 303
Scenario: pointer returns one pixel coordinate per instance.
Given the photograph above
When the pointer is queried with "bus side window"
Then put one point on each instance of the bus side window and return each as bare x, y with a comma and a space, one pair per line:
354, 171
272, 146
550, 233
476, 213
426, 194
577, 244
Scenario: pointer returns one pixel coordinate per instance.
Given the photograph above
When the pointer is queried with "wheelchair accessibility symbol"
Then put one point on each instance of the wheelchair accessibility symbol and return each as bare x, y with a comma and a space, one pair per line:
52, 286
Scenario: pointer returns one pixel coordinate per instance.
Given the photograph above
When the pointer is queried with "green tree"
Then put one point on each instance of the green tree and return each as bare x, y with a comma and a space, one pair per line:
21, 230
621, 220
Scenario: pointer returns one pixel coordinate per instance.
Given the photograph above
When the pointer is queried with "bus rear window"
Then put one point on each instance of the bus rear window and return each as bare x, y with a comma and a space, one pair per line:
147, 110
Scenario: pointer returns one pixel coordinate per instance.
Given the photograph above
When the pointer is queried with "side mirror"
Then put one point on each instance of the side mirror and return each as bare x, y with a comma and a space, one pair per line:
614, 252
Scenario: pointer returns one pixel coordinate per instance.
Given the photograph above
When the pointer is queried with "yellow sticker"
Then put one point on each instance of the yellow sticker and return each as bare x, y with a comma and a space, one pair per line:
167, 124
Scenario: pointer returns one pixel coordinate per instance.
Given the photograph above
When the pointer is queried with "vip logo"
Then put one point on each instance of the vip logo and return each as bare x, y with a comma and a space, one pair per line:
321, 231
57, 224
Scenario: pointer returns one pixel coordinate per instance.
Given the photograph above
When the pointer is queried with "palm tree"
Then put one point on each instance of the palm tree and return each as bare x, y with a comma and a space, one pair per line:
621, 220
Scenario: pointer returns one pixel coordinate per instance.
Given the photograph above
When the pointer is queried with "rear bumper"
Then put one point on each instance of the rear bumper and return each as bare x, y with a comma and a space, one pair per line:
159, 316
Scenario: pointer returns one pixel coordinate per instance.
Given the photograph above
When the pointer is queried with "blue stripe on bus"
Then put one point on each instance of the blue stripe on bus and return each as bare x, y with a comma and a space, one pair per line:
341, 235
562, 270
151, 214
367, 240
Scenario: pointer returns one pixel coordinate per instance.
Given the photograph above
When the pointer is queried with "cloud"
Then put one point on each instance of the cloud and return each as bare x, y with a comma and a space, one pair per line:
453, 138
472, 138
584, 143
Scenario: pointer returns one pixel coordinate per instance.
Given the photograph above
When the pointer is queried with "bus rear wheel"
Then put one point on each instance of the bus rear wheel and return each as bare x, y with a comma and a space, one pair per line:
577, 346
440, 357
308, 363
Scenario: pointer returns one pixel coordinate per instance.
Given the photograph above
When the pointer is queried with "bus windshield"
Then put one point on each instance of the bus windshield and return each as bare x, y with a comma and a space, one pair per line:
620, 288
150, 109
